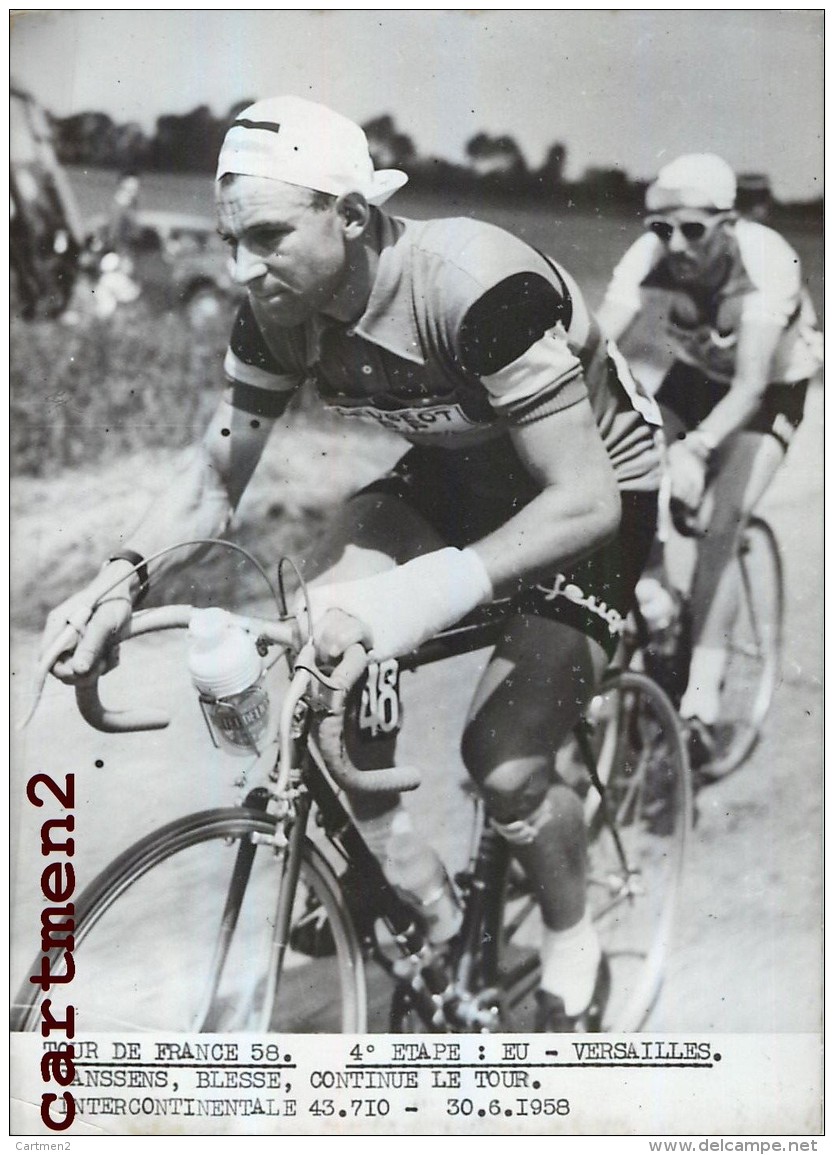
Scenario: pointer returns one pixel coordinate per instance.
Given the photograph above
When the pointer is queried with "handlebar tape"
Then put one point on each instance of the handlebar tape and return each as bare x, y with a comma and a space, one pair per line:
97, 715
90, 705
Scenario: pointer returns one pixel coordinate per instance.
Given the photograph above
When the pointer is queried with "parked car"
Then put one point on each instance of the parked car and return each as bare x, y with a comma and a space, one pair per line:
177, 260
45, 230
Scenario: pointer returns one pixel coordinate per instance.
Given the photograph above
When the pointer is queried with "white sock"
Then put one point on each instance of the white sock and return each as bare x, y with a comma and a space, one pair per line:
570, 959
702, 698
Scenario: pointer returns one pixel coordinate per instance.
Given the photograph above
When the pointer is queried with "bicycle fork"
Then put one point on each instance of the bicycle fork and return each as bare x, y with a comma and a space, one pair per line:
289, 867
256, 800
286, 896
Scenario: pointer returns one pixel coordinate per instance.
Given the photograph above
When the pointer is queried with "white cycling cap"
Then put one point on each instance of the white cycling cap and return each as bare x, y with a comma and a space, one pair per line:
696, 181
294, 140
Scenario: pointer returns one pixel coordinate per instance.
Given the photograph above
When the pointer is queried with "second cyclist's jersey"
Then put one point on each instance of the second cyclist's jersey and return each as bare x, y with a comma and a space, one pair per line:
763, 282
467, 332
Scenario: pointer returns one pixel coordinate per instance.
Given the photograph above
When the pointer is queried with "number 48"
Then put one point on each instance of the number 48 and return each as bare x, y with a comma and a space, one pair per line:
379, 710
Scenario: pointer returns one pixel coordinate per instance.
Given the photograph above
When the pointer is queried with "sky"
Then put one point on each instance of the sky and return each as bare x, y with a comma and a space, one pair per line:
630, 88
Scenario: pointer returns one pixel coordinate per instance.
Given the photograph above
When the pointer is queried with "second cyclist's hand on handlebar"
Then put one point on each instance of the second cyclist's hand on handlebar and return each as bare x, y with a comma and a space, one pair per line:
97, 628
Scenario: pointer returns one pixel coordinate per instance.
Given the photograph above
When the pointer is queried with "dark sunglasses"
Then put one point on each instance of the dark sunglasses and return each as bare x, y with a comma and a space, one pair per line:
689, 230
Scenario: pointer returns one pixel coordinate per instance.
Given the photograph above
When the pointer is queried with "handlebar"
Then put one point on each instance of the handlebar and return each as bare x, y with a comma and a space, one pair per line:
174, 617
671, 510
686, 521
283, 632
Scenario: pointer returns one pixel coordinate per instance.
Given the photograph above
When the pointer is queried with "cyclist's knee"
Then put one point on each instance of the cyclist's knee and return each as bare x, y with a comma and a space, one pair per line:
509, 782
515, 788
558, 815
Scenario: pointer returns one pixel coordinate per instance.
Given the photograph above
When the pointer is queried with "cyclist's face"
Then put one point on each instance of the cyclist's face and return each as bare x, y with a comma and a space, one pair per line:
290, 255
695, 241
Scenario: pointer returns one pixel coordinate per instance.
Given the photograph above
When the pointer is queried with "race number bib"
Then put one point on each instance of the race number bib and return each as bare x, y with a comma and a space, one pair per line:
380, 711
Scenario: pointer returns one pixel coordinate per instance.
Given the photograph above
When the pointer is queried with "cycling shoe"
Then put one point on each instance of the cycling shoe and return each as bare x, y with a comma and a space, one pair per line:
700, 742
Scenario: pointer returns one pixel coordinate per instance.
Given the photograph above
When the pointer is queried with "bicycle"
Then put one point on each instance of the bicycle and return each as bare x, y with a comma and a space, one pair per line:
248, 909
754, 648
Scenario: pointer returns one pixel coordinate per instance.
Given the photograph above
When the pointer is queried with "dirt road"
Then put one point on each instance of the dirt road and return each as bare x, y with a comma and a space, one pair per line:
748, 950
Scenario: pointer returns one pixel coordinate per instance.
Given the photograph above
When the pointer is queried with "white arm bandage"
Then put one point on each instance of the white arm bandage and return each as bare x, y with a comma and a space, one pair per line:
407, 605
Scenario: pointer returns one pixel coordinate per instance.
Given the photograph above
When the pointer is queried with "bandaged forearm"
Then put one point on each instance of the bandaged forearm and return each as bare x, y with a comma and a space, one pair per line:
407, 605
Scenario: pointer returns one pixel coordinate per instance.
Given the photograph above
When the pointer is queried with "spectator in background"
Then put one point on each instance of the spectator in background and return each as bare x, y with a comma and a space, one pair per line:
116, 283
123, 226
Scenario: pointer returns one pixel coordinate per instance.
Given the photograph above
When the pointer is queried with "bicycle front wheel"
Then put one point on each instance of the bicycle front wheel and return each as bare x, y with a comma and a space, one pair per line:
183, 932
637, 848
754, 650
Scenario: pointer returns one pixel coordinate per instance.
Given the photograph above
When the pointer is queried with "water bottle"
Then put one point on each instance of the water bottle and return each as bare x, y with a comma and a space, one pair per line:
227, 670
657, 604
416, 870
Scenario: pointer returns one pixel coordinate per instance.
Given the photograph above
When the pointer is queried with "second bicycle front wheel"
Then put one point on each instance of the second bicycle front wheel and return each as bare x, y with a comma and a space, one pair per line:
179, 934
754, 651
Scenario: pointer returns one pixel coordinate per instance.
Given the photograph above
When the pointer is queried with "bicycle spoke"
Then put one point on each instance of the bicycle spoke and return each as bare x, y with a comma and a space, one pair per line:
228, 922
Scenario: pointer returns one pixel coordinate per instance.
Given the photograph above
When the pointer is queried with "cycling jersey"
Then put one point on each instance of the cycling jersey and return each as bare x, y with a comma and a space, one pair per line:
467, 332
762, 282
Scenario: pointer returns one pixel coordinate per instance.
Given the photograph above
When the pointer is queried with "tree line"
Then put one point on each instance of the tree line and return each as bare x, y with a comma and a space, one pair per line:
189, 143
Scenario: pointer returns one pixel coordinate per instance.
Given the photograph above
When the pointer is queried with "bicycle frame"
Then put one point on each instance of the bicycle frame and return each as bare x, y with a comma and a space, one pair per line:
440, 990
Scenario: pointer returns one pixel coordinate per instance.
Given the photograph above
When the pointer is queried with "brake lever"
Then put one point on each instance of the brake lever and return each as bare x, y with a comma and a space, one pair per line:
685, 520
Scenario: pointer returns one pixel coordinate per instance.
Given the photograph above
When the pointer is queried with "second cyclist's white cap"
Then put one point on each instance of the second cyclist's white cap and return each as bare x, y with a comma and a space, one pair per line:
297, 141
699, 180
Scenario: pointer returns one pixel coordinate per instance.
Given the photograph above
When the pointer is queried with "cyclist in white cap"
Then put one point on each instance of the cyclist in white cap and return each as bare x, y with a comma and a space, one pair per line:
745, 341
532, 473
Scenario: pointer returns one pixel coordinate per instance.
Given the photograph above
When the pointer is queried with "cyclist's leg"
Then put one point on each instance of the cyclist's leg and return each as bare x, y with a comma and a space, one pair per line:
745, 470
685, 398
745, 467
530, 697
543, 672
427, 501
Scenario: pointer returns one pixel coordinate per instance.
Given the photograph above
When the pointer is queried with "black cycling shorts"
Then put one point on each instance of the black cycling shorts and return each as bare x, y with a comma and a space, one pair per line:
691, 395
468, 493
